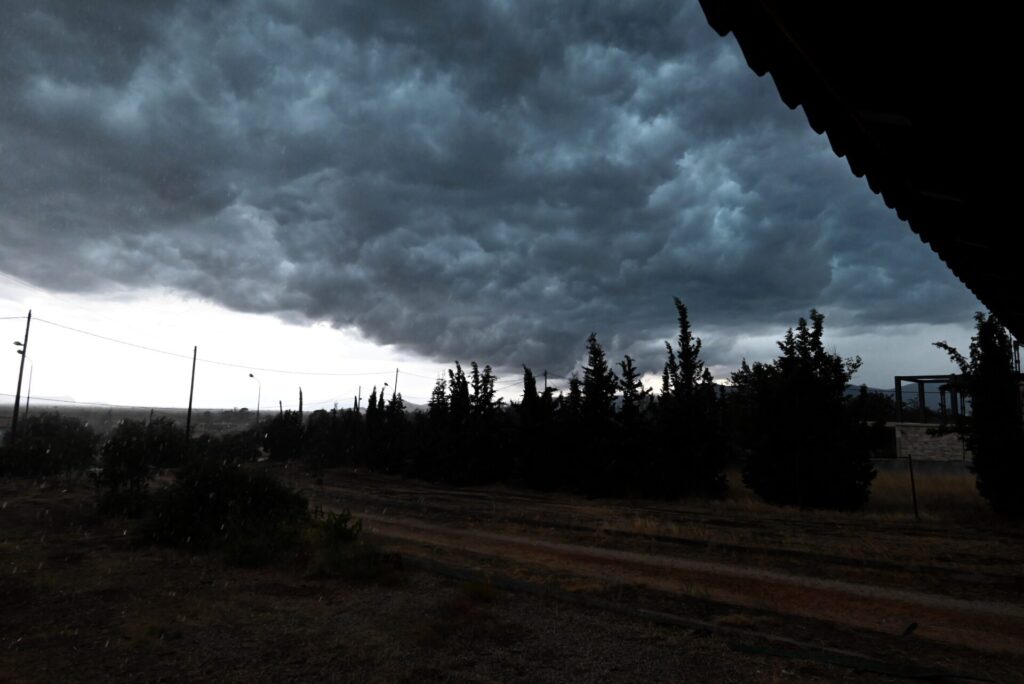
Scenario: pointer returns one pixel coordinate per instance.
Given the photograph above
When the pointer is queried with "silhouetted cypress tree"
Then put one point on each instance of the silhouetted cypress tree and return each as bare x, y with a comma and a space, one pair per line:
690, 455
458, 395
995, 430
395, 409
633, 392
599, 383
482, 399
371, 406
531, 400
438, 403
475, 385
691, 368
534, 457
635, 444
597, 456
572, 404
669, 375
458, 457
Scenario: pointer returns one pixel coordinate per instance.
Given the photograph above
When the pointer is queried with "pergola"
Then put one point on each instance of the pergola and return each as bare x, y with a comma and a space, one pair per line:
951, 385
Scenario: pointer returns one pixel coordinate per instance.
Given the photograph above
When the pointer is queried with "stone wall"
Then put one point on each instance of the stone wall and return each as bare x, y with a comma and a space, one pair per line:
912, 439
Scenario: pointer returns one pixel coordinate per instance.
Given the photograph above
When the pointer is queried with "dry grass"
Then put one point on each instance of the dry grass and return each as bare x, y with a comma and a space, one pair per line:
940, 496
951, 496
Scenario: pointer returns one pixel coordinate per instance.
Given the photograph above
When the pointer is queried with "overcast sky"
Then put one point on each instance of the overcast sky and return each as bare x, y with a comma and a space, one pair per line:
353, 186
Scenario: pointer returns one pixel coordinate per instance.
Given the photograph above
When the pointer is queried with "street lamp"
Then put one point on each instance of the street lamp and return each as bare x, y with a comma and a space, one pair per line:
259, 394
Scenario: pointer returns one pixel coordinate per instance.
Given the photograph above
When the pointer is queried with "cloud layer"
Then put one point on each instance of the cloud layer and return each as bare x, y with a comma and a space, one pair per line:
490, 180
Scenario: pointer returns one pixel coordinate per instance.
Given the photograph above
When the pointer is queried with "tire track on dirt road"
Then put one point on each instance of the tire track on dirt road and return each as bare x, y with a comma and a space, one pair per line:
979, 625
953, 577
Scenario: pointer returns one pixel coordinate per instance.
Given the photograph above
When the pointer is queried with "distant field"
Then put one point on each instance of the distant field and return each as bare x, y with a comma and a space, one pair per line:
103, 420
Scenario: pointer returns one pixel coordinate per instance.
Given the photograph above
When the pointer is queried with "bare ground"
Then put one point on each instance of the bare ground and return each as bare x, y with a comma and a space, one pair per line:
829, 579
520, 587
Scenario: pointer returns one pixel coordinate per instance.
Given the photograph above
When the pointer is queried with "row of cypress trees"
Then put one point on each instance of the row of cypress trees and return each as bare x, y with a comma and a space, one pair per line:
607, 435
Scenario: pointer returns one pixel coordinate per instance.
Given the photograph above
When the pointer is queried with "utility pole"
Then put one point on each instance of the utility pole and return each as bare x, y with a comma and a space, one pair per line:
21, 371
394, 394
28, 395
300, 404
280, 407
359, 398
545, 379
191, 388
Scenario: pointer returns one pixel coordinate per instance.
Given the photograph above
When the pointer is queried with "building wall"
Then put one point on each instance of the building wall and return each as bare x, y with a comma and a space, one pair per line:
913, 440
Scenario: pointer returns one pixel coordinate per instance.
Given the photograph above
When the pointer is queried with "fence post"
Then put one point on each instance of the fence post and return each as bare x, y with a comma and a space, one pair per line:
913, 486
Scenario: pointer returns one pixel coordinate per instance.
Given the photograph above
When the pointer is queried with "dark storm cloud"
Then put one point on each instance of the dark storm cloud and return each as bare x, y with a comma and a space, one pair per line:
490, 180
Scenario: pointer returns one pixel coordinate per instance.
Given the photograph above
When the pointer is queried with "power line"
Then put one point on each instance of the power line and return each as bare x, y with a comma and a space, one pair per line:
417, 375
12, 318
210, 361
116, 341
229, 364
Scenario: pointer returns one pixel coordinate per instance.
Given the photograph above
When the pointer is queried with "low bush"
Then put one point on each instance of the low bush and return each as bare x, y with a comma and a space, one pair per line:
49, 444
218, 505
125, 467
282, 436
234, 447
333, 548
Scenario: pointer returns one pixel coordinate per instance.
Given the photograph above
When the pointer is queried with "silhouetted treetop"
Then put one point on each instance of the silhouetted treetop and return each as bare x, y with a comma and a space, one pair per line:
599, 382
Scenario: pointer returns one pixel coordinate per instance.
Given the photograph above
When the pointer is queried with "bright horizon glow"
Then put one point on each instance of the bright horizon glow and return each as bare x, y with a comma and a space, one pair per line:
74, 367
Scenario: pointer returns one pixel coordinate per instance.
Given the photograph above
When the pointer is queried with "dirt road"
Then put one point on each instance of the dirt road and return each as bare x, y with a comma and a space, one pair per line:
895, 588
983, 625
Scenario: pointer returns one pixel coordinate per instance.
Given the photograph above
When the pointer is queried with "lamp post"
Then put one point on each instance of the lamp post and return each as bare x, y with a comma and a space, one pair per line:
259, 394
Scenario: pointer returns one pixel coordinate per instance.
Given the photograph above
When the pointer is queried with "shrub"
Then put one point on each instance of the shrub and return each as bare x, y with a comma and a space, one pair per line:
333, 548
235, 447
806, 449
283, 435
124, 469
216, 505
49, 444
995, 431
165, 443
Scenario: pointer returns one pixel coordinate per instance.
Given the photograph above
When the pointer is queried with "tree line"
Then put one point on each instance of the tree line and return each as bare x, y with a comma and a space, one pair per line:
801, 440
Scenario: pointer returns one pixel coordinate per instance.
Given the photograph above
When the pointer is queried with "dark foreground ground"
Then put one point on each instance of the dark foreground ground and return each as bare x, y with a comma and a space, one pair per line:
504, 586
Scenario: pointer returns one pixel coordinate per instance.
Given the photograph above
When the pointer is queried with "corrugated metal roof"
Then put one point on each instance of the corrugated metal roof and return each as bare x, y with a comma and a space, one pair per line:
918, 97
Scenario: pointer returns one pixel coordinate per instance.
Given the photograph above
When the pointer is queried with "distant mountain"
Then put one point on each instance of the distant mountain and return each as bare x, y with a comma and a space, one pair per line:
931, 394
